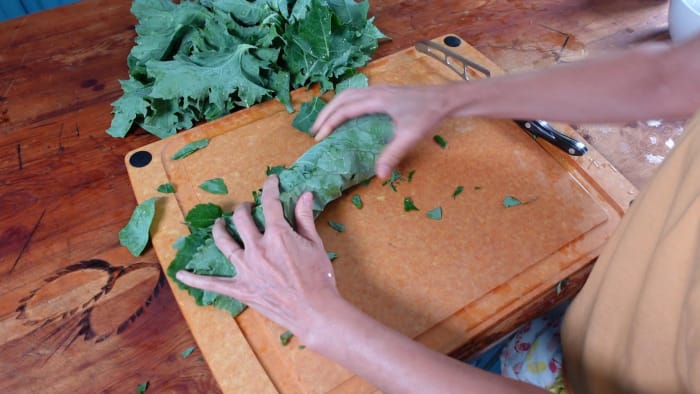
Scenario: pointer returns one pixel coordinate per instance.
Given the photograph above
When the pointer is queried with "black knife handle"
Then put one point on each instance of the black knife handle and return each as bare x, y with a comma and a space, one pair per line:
542, 129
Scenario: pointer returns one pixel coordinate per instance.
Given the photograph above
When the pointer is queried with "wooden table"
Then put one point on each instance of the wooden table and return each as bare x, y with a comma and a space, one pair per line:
78, 313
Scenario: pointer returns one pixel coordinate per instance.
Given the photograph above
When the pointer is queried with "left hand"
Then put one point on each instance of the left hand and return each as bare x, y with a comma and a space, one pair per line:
284, 274
415, 111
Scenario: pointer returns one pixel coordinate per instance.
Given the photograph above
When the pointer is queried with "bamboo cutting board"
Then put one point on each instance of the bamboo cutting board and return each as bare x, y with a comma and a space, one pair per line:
442, 282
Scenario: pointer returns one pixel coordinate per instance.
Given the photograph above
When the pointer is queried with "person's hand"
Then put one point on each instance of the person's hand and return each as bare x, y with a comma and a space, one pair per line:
284, 274
416, 111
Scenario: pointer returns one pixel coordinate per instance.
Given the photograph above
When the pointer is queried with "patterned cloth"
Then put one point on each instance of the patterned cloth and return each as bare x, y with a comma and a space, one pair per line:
533, 354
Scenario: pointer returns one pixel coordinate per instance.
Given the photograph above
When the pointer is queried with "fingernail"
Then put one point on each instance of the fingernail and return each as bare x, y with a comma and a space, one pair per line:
318, 133
178, 275
383, 170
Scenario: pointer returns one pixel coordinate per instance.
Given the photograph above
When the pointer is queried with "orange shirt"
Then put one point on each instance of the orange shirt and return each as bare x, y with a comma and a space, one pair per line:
635, 325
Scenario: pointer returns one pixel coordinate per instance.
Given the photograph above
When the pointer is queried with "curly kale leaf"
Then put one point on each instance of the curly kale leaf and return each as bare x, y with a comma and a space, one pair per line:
200, 60
332, 40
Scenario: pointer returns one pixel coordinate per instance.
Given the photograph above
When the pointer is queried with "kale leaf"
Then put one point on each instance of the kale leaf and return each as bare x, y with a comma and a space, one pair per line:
336, 226
440, 141
190, 148
285, 337
358, 80
408, 205
214, 186
141, 388
200, 60
458, 191
395, 178
187, 352
435, 214
510, 201
307, 114
135, 235
166, 188
357, 201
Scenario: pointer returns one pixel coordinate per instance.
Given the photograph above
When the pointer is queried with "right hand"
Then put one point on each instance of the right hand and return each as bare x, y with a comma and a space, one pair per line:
415, 112
282, 273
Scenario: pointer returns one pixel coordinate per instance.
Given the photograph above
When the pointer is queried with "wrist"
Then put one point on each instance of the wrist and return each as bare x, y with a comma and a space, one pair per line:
461, 99
324, 321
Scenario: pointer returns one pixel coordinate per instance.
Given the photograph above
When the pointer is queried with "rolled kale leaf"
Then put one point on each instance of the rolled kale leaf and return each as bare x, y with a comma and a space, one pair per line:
342, 160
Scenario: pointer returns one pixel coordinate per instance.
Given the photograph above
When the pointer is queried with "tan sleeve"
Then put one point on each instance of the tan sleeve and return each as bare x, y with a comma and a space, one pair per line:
635, 326
689, 361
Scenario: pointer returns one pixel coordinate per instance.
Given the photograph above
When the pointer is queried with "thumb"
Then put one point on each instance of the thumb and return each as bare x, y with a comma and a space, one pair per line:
218, 284
392, 154
304, 215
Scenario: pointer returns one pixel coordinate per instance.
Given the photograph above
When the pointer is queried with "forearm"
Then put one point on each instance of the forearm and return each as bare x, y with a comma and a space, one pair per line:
638, 84
393, 362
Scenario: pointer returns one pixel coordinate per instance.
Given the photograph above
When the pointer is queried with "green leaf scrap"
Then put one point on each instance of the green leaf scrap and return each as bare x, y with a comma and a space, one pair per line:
435, 214
395, 178
214, 186
203, 216
166, 188
187, 352
140, 389
332, 255
458, 191
274, 170
135, 235
285, 337
191, 148
510, 201
408, 205
440, 141
410, 175
336, 226
357, 201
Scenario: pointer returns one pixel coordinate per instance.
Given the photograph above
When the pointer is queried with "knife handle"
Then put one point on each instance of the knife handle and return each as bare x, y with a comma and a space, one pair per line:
542, 129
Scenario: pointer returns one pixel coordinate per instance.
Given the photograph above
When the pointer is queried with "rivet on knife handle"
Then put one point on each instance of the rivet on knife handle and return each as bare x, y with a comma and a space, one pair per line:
539, 128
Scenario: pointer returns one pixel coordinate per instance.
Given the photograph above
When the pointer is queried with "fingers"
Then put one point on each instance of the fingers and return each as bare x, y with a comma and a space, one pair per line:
349, 104
216, 284
304, 214
272, 207
392, 154
243, 219
226, 244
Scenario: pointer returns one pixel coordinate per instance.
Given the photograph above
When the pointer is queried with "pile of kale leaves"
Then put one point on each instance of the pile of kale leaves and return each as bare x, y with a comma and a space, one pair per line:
200, 60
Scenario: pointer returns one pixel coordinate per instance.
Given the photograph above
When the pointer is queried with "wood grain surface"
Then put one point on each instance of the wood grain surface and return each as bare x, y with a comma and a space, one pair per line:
80, 314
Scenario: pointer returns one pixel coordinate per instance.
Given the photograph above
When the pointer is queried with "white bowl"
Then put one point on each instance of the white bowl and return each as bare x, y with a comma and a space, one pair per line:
683, 19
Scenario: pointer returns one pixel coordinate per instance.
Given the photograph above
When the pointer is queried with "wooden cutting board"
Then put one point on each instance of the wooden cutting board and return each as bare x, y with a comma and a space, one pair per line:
442, 282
